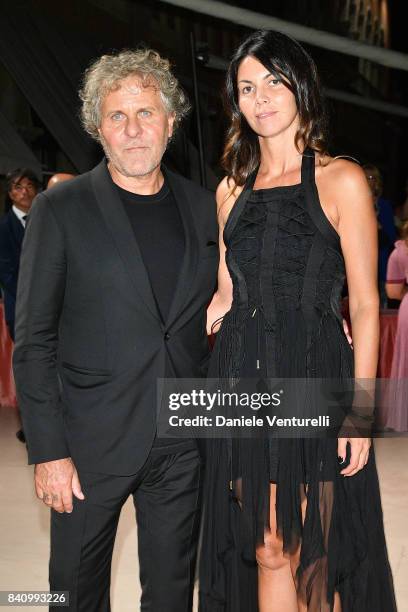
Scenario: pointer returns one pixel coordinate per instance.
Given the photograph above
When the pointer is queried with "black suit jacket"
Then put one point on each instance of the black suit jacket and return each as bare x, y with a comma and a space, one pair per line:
90, 342
11, 238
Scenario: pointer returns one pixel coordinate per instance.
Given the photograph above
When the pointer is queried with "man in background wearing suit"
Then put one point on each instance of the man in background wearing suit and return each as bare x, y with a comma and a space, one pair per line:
117, 269
22, 185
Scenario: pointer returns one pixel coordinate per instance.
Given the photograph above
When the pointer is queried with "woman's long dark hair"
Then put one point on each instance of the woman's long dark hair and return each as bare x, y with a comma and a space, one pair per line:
283, 56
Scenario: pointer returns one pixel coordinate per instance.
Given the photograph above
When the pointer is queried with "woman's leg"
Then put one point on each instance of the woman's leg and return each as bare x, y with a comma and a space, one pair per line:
315, 602
277, 572
276, 585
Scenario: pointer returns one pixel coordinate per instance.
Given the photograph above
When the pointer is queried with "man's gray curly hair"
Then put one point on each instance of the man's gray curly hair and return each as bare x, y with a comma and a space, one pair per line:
106, 73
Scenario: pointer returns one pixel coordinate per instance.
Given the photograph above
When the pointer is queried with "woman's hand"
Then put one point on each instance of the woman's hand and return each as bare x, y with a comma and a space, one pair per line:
360, 448
347, 332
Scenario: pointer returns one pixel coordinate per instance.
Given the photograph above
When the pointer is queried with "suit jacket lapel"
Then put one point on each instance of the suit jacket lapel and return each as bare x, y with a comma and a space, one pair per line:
118, 223
189, 265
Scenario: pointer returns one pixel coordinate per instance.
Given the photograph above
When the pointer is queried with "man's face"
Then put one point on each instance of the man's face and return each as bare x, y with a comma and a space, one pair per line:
135, 127
22, 193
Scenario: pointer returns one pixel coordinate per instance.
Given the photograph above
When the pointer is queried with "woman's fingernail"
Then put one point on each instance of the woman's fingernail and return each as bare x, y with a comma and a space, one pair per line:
340, 460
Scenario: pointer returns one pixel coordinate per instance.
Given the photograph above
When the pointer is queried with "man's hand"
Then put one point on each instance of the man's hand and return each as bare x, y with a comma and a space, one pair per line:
55, 482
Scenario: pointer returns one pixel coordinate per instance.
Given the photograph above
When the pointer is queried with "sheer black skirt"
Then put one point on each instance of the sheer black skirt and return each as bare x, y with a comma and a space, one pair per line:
342, 542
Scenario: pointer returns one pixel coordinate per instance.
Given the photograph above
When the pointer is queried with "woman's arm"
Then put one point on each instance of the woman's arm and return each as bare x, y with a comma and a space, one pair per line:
395, 285
222, 299
357, 227
396, 291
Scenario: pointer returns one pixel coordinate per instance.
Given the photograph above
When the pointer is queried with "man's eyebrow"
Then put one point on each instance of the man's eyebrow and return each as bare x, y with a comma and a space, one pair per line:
112, 112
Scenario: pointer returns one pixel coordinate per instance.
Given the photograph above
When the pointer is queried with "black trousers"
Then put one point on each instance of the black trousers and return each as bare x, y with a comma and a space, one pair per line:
166, 494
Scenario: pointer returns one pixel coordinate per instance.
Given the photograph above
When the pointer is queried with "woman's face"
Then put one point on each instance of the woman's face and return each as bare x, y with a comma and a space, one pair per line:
266, 103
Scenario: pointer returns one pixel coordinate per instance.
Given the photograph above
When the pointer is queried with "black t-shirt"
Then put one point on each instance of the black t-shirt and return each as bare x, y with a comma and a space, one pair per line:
159, 232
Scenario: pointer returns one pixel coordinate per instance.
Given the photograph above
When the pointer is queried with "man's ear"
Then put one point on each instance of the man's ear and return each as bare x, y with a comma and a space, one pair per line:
170, 120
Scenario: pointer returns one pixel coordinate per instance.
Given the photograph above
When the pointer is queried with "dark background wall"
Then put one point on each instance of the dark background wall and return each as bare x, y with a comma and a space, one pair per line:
45, 46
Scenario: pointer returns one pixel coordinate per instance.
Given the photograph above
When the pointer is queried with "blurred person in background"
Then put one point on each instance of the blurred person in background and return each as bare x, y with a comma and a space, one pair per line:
401, 211
22, 186
59, 177
387, 233
396, 287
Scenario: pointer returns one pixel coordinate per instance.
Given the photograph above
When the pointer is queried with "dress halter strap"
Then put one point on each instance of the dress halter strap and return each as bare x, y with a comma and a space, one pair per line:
239, 204
313, 205
308, 166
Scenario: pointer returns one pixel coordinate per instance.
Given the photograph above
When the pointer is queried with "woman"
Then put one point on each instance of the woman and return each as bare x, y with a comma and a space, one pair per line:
396, 287
286, 527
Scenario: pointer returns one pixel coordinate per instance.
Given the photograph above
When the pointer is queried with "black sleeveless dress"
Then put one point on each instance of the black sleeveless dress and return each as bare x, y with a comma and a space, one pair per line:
287, 268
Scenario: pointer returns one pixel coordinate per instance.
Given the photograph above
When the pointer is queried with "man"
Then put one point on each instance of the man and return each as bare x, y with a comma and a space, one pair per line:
59, 177
117, 269
22, 185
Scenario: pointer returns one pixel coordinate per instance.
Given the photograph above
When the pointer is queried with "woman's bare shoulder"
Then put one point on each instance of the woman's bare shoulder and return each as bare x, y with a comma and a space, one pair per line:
341, 172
